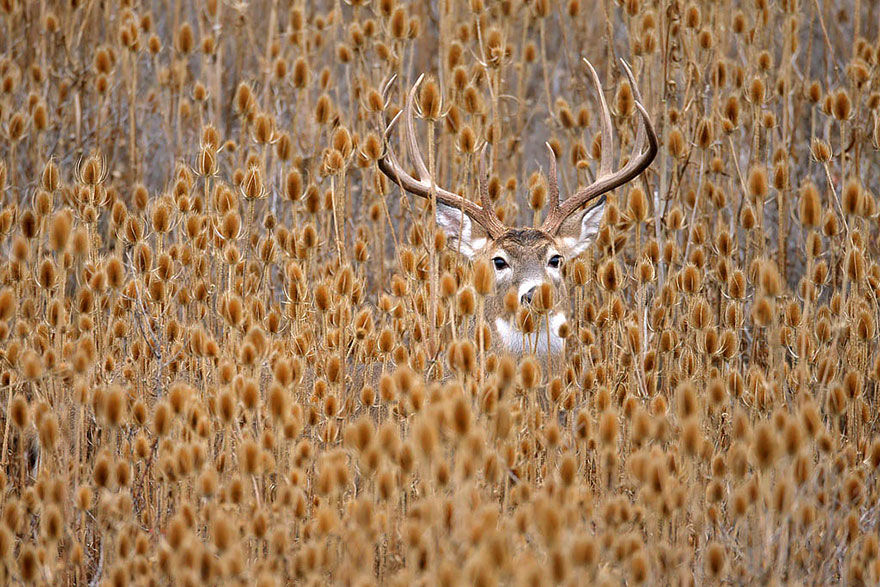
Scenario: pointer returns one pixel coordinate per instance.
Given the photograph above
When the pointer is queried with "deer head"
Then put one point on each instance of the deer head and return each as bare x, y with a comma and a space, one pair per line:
524, 258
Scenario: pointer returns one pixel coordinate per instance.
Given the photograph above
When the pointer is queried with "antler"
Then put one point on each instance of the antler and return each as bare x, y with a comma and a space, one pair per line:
483, 214
606, 180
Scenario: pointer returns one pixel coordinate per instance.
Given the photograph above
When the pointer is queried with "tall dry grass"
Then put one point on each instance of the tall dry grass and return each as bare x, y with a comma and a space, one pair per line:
233, 352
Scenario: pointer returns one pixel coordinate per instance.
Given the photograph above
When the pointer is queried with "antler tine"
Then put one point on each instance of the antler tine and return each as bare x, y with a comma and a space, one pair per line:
607, 132
646, 129
640, 133
386, 101
606, 180
553, 179
390, 166
410, 127
386, 89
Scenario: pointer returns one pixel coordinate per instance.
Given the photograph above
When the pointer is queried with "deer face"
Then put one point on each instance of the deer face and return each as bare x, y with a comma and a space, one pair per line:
524, 259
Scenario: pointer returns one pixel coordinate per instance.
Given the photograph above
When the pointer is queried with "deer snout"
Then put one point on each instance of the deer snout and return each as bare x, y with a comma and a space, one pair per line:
526, 297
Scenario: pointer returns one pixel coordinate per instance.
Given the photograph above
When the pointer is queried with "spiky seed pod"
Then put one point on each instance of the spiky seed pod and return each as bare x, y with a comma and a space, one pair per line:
566, 118
865, 326
342, 141
206, 163
810, 205
675, 143
758, 187
624, 100
764, 445
704, 135
841, 105
19, 412
830, 223
115, 404
608, 428
851, 198
372, 147
7, 303
537, 192
769, 279
820, 150
50, 179
244, 101
465, 301
855, 265
610, 276
529, 373
46, 274
483, 277
467, 140
637, 205
763, 311
253, 187
29, 564
430, 100
715, 560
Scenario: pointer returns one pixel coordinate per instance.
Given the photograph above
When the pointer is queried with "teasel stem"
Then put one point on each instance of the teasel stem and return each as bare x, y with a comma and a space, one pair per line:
435, 261
546, 73
335, 202
132, 116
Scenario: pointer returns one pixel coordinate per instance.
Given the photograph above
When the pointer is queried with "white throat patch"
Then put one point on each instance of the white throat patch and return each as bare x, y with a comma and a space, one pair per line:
513, 339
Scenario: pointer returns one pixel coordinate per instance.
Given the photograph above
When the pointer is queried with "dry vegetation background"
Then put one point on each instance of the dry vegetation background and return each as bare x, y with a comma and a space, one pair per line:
217, 357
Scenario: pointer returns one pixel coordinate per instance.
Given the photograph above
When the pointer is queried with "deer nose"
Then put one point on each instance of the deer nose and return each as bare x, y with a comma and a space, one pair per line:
526, 298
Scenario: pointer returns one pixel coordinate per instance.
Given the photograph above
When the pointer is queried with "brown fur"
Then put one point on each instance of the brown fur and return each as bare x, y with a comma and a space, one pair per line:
527, 251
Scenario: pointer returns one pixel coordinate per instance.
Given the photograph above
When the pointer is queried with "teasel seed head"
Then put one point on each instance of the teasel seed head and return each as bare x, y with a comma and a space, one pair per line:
820, 150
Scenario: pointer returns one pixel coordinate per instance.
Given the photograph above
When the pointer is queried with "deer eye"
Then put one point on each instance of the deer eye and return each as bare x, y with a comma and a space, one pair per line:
555, 261
500, 263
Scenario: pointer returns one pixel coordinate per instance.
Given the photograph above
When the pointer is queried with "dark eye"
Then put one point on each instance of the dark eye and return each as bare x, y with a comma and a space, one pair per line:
500, 263
555, 261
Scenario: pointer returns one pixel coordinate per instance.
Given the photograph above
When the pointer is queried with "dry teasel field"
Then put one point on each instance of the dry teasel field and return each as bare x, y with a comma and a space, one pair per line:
234, 350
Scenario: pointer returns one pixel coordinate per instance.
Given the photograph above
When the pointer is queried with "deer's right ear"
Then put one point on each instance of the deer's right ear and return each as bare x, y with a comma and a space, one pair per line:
463, 234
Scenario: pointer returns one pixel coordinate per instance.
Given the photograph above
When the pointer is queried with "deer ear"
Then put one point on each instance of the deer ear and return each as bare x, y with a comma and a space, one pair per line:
463, 234
579, 231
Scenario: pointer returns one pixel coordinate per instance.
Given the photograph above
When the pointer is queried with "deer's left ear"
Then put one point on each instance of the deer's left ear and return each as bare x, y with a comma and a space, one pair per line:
579, 231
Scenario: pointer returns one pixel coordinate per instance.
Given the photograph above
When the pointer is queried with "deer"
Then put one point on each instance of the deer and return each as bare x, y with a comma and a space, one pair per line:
523, 258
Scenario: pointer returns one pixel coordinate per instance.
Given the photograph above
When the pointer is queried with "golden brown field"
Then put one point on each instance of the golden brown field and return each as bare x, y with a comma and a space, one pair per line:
233, 352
